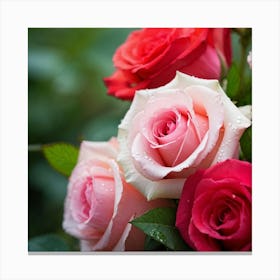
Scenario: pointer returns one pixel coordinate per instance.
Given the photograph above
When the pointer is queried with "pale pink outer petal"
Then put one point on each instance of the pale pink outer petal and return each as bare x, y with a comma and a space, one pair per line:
133, 238
71, 226
85, 245
246, 110
212, 102
120, 246
88, 245
98, 150
235, 124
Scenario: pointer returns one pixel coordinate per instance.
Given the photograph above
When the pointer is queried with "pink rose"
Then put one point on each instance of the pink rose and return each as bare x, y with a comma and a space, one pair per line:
214, 211
150, 57
99, 203
170, 132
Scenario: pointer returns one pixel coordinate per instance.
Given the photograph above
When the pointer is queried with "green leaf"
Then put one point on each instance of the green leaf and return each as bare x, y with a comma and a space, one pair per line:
153, 245
47, 242
159, 224
233, 81
61, 156
246, 144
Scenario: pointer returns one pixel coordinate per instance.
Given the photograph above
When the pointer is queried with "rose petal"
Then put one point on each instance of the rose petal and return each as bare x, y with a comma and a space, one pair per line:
149, 188
243, 235
241, 171
97, 150
202, 242
221, 40
76, 216
184, 210
212, 68
204, 206
101, 198
121, 243
214, 109
107, 241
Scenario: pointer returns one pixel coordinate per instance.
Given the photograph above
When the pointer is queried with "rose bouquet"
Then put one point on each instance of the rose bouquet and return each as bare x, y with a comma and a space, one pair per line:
178, 174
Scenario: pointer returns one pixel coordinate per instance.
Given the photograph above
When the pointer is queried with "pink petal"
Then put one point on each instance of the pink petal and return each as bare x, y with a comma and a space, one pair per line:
97, 150
210, 101
206, 66
241, 171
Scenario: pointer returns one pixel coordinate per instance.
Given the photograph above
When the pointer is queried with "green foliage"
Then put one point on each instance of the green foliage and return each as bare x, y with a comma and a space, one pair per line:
233, 81
153, 245
47, 242
61, 156
239, 76
246, 144
159, 224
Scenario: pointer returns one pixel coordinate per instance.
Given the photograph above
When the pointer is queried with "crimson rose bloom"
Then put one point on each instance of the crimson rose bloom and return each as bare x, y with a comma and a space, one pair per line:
150, 57
214, 211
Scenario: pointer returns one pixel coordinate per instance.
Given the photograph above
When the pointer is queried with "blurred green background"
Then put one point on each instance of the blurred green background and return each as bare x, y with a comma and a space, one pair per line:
67, 101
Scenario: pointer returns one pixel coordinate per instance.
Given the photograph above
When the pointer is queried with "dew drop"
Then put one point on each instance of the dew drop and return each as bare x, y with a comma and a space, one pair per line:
228, 141
158, 236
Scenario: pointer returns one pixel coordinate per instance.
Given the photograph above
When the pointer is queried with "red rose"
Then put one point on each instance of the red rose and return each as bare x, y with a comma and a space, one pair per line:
150, 57
214, 211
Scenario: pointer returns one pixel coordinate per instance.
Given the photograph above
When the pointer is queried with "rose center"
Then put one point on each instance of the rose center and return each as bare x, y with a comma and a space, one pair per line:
164, 128
223, 217
165, 124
